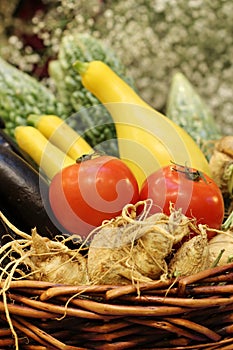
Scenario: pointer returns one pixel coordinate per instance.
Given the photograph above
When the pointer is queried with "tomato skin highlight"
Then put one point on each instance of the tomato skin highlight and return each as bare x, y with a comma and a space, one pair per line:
86, 193
201, 198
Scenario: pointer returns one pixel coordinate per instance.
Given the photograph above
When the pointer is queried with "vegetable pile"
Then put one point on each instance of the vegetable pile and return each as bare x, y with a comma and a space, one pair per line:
72, 214
154, 211
126, 249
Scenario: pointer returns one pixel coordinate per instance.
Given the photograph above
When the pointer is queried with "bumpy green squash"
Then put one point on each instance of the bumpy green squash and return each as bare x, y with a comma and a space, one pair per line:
187, 109
21, 95
89, 117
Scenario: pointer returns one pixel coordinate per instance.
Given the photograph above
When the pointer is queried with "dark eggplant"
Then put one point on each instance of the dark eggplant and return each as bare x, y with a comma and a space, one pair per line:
24, 196
2, 123
5, 140
8, 142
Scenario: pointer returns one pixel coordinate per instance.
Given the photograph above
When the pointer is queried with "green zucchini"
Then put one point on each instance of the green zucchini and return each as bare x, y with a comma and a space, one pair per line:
21, 95
88, 116
187, 109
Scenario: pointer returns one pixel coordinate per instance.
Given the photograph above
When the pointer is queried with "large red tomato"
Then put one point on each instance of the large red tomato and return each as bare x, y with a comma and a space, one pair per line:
196, 193
92, 190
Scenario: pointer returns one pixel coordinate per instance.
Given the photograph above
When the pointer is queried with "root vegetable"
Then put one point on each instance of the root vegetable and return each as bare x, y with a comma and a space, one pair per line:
108, 263
221, 248
192, 257
148, 255
53, 262
221, 164
129, 249
180, 225
39, 258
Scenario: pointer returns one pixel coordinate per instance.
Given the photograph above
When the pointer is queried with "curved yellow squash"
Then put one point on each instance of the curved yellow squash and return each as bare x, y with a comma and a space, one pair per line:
147, 139
60, 134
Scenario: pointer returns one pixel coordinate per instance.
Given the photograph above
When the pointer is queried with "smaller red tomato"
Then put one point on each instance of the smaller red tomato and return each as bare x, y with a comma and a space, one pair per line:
195, 193
95, 189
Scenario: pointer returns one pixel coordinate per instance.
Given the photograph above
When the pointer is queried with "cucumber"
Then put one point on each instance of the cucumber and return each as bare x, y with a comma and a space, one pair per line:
24, 196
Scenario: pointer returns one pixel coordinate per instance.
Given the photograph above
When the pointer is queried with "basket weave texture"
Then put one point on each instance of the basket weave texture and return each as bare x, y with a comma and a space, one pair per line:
194, 312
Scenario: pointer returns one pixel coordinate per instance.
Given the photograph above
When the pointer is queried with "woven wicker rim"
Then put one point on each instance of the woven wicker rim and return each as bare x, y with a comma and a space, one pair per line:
194, 312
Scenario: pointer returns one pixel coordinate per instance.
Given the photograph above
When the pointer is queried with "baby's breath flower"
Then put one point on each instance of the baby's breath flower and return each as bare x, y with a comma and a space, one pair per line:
153, 38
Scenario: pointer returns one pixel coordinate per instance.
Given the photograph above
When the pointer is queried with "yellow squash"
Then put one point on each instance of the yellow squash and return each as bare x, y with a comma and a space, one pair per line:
47, 156
147, 139
60, 134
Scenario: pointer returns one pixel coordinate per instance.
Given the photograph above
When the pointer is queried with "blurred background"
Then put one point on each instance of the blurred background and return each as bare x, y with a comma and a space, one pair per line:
153, 39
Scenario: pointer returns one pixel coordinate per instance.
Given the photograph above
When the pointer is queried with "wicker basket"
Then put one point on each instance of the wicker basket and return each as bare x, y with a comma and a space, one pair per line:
194, 312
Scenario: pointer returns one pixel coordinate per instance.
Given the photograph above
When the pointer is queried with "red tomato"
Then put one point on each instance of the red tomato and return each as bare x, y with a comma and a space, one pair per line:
197, 194
86, 193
